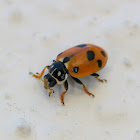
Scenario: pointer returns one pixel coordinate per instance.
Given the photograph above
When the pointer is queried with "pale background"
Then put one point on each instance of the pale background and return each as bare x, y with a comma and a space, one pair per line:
32, 33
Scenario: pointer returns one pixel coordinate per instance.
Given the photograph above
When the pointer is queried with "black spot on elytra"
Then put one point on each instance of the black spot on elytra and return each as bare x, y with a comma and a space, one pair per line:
90, 55
60, 53
75, 69
66, 59
81, 46
103, 53
99, 63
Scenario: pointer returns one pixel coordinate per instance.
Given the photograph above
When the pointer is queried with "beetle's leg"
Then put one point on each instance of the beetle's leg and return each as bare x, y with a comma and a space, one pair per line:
43, 71
63, 93
39, 76
97, 77
48, 67
85, 89
51, 90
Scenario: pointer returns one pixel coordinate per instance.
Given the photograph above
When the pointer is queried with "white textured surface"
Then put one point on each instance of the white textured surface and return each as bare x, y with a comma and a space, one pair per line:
32, 33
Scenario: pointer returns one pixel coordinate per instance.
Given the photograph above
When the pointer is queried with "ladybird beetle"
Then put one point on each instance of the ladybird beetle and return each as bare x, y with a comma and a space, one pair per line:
79, 61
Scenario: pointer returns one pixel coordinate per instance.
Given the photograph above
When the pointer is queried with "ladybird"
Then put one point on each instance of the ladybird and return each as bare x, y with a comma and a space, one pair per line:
79, 61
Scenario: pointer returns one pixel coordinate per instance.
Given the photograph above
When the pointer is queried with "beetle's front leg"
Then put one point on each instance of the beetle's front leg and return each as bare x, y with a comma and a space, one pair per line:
51, 90
39, 76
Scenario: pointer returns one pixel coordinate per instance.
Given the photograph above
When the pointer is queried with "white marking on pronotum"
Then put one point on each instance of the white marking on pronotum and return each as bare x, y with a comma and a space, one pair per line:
61, 59
59, 82
59, 73
66, 65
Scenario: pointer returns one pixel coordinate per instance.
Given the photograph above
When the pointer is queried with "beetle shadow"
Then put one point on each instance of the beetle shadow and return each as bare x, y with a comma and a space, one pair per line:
88, 81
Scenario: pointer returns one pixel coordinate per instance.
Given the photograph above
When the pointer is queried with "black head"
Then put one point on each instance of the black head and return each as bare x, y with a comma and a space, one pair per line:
58, 74
49, 81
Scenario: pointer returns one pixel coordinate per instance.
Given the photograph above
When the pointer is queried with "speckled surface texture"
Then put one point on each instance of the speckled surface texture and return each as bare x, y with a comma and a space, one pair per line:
32, 33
